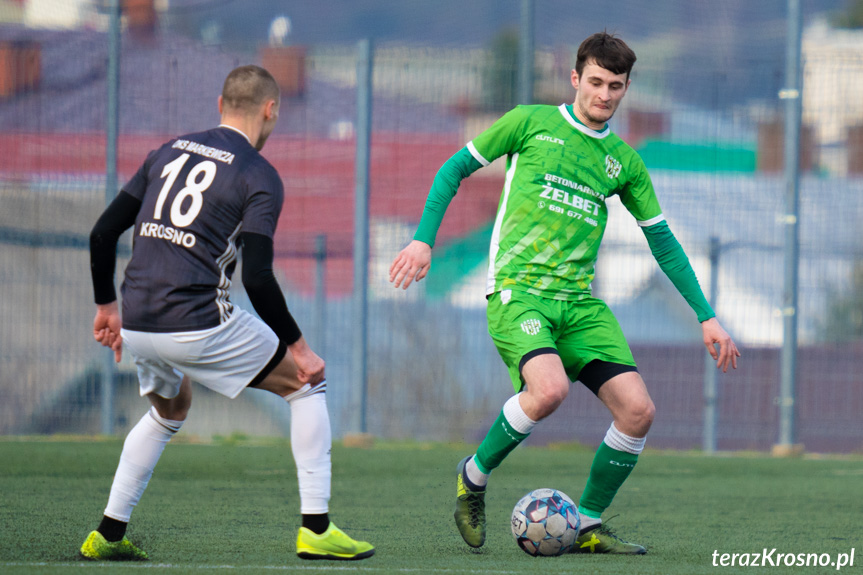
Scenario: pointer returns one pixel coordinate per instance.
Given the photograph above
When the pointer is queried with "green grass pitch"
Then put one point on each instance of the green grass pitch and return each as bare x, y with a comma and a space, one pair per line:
233, 508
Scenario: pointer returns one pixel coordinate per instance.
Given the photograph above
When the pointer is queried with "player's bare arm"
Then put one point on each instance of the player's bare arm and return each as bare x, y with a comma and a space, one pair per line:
714, 335
412, 264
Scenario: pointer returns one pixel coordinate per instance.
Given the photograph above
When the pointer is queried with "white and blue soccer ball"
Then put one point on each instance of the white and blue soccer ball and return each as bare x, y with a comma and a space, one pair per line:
545, 523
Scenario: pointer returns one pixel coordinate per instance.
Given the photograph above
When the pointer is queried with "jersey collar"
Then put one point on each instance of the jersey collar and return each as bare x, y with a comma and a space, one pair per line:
564, 110
242, 133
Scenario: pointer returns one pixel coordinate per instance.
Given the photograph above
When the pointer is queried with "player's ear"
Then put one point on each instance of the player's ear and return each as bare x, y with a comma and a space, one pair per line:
573, 77
270, 109
220, 105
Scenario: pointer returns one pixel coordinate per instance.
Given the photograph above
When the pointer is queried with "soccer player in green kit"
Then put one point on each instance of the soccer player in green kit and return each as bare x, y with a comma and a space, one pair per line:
562, 163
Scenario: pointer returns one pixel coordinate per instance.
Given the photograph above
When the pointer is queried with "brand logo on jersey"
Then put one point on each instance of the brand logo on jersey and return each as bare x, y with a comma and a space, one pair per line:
544, 138
181, 238
574, 200
531, 326
612, 167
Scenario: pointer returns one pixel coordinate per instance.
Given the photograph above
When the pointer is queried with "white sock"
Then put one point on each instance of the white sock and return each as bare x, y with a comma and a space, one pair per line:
516, 416
311, 440
587, 522
622, 442
474, 474
141, 452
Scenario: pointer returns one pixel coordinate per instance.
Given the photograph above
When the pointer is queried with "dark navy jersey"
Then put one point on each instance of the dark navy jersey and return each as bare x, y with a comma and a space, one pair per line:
198, 193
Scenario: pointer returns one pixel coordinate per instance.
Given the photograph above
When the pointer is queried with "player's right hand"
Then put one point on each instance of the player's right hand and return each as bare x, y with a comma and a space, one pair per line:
106, 328
310, 367
412, 263
715, 335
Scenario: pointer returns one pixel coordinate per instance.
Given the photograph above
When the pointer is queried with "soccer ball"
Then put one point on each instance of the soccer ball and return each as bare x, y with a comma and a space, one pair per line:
545, 522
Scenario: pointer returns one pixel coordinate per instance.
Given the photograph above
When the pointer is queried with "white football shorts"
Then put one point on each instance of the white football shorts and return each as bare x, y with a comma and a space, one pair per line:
225, 358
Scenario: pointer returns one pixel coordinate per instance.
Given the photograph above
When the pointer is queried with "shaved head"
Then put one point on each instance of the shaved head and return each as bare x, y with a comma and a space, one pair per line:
247, 88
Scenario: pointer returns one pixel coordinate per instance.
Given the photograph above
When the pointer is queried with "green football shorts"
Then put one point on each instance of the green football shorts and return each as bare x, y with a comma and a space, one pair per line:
579, 331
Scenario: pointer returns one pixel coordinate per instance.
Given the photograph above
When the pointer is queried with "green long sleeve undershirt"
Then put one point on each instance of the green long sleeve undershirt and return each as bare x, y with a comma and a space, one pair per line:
673, 262
443, 190
664, 246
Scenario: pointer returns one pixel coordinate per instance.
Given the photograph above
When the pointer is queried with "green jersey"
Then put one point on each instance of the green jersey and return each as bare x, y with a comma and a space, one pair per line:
552, 211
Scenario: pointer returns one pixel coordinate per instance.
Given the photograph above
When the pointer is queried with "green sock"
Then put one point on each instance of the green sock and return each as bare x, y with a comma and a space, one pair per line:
609, 470
498, 442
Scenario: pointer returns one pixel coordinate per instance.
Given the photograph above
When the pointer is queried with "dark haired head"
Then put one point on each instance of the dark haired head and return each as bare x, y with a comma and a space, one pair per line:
247, 87
607, 51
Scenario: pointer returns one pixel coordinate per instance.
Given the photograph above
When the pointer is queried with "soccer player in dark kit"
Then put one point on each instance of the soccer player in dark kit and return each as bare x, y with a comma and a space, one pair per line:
194, 203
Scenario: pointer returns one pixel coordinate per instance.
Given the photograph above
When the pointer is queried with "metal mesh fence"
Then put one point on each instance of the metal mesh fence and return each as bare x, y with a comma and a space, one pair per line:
702, 111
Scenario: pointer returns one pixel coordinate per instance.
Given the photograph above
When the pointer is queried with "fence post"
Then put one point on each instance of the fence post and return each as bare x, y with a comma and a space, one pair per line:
792, 95
709, 441
109, 372
525, 54
361, 223
320, 294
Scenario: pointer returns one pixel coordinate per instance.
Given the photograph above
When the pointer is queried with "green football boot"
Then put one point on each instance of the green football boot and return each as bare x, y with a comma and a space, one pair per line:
469, 509
601, 539
97, 548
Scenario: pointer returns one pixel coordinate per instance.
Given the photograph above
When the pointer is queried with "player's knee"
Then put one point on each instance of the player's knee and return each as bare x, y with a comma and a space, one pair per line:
640, 415
182, 411
176, 408
281, 383
551, 395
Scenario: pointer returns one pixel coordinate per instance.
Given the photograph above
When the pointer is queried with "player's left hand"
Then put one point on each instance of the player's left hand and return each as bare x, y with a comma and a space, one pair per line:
714, 334
106, 328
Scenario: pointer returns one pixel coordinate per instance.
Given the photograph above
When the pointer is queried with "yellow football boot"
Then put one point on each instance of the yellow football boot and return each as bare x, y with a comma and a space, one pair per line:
331, 544
601, 539
97, 548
